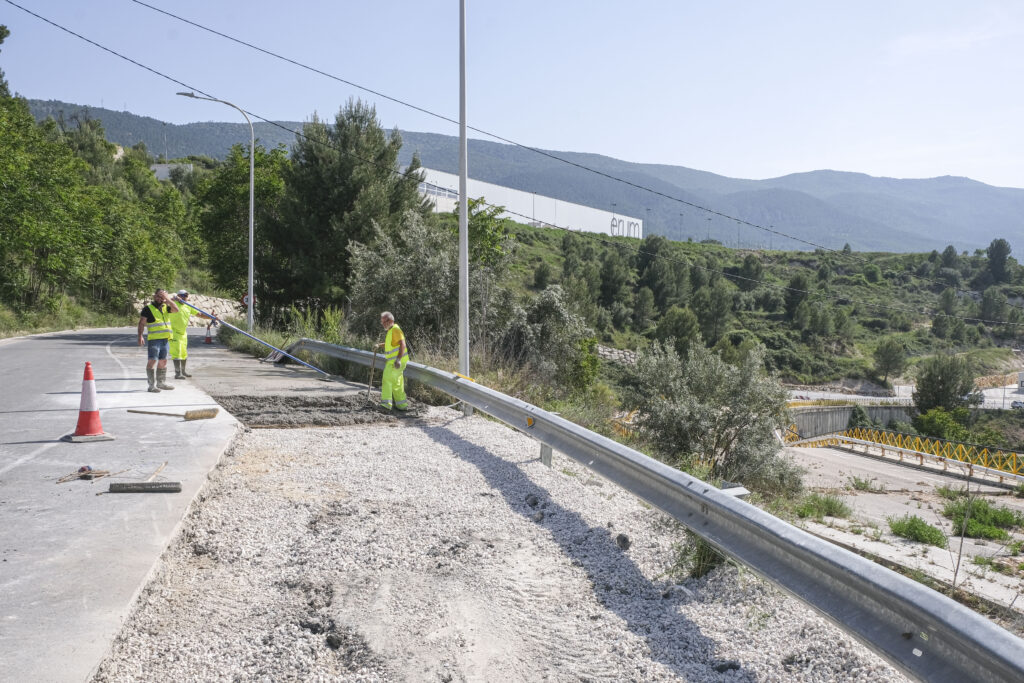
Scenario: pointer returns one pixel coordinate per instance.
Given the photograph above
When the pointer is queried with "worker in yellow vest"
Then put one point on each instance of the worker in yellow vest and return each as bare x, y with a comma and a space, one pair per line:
179, 334
154, 319
396, 356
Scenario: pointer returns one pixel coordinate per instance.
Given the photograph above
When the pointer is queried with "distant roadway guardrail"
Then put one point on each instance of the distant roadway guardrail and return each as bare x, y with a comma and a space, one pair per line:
925, 634
981, 459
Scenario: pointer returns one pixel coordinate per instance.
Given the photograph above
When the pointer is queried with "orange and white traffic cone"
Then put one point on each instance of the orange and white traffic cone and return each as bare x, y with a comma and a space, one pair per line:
89, 426
209, 338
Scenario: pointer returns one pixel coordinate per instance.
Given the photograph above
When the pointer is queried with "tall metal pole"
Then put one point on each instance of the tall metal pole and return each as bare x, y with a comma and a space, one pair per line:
252, 186
252, 233
463, 209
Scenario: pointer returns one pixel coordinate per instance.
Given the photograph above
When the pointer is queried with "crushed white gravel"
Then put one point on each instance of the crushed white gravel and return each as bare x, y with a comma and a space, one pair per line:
442, 549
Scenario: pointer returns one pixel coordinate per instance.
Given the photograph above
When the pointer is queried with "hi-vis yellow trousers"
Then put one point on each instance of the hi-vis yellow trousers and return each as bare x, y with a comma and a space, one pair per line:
392, 384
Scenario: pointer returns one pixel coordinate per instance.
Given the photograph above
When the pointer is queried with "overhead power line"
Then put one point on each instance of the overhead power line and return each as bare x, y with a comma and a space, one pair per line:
739, 221
600, 237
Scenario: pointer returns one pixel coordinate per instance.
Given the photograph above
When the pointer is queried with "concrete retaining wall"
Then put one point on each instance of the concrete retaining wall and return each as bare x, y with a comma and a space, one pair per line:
815, 421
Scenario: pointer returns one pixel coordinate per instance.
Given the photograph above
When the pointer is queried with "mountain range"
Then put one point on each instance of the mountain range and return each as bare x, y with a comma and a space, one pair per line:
819, 208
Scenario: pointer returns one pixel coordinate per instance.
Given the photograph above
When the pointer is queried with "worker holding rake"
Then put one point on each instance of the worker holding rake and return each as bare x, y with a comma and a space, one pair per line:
179, 334
396, 356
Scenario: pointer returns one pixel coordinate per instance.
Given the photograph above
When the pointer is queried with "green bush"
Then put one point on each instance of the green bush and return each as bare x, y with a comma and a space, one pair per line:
818, 506
978, 518
916, 529
705, 409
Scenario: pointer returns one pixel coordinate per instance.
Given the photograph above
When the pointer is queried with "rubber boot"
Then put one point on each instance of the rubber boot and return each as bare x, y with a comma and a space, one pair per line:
184, 370
151, 376
161, 379
177, 369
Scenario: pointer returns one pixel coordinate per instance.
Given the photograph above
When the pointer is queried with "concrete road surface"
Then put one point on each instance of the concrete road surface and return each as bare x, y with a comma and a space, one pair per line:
71, 560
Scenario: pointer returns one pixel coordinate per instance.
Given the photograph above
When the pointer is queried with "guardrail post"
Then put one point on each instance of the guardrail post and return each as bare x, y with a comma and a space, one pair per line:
545, 454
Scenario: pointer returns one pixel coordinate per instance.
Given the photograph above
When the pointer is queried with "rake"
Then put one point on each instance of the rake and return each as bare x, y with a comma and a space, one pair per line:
200, 414
373, 366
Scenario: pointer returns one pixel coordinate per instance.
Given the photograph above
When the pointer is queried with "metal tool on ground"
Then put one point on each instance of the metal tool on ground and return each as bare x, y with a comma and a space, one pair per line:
199, 414
87, 473
373, 366
146, 487
217, 320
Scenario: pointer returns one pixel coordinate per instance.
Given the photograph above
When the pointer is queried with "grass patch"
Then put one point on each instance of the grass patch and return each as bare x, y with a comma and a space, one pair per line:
864, 484
61, 313
819, 506
916, 529
978, 518
989, 563
950, 493
694, 559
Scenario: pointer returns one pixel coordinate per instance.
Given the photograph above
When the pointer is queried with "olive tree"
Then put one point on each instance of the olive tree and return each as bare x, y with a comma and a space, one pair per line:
701, 411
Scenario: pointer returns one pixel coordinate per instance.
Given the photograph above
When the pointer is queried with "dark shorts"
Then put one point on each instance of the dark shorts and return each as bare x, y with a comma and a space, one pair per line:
158, 348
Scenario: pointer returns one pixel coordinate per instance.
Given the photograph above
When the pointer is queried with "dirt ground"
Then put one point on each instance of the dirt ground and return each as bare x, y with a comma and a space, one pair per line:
290, 411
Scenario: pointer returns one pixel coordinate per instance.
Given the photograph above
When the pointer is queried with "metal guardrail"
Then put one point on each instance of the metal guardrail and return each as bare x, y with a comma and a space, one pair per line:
885, 402
921, 632
971, 454
861, 437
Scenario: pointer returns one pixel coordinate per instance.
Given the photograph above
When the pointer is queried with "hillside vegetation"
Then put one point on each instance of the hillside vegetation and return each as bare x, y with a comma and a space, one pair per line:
827, 208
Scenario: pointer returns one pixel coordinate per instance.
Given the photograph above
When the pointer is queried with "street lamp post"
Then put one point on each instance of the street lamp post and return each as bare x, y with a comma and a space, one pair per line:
252, 183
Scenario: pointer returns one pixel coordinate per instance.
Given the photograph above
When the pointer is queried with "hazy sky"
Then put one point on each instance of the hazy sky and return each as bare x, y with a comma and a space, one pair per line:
900, 88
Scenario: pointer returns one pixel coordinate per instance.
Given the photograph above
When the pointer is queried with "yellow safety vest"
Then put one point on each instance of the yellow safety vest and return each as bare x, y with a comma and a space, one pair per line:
179, 321
160, 328
391, 348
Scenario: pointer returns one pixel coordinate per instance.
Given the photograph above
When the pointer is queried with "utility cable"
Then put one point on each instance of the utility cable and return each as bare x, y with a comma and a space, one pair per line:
598, 236
555, 157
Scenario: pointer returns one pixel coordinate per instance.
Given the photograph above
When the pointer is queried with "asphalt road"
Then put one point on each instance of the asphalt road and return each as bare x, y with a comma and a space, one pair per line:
72, 561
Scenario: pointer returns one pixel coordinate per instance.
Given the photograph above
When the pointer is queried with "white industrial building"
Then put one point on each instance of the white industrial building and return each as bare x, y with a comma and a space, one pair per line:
529, 207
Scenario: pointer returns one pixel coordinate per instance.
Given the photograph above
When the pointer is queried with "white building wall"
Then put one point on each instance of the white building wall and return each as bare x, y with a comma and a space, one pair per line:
528, 207
163, 171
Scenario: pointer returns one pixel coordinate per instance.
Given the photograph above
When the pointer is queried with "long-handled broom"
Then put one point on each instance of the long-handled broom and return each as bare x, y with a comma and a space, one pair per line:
200, 414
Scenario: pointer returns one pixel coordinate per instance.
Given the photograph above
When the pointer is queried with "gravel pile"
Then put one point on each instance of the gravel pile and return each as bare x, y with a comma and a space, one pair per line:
441, 549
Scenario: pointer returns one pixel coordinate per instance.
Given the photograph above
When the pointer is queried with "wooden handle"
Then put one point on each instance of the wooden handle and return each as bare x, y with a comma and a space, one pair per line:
153, 412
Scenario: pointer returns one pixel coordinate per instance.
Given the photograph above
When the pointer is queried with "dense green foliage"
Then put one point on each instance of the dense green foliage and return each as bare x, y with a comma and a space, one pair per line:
342, 186
978, 518
704, 412
817, 314
943, 381
222, 210
888, 214
916, 529
78, 223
